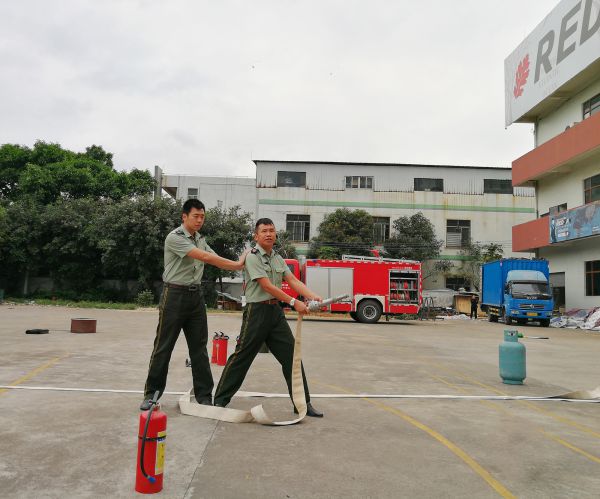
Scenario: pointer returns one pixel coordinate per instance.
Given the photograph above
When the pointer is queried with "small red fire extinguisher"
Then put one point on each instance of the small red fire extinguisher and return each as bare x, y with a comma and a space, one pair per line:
151, 449
222, 350
213, 357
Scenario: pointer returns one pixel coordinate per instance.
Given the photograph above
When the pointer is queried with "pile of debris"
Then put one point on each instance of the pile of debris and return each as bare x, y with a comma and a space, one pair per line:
578, 318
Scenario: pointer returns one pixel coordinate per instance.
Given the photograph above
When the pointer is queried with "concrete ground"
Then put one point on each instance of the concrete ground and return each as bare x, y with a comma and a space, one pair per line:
75, 444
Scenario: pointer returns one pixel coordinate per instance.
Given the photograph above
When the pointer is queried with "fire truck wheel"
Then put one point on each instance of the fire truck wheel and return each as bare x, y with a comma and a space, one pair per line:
354, 316
369, 311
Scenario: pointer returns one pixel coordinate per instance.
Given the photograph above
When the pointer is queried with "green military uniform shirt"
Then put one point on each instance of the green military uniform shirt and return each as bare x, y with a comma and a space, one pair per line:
180, 268
260, 264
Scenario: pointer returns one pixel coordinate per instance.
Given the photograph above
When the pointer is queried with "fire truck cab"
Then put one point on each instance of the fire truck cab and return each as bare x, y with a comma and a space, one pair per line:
376, 286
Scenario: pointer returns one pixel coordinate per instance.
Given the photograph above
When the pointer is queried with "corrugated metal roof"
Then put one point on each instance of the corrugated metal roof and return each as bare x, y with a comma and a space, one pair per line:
352, 163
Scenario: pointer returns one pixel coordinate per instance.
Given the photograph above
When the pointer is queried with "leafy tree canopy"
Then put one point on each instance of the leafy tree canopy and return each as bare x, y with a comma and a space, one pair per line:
343, 232
284, 245
477, 254
226, 232
130, 235
413, 238
48, 172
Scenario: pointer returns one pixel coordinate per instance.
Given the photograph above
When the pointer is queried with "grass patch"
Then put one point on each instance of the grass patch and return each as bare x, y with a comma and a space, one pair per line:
71, 303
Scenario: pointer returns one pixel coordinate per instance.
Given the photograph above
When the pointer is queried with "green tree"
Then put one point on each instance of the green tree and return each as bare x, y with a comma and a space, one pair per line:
284, 245
477, 253
82, 177
13, 159
21, 243
99, 154
226, 232
413, 238
44, 153
343, 232
130, 235
70, 253
48, 172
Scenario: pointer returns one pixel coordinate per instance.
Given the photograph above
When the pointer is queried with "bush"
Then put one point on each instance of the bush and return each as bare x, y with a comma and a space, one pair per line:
144, 298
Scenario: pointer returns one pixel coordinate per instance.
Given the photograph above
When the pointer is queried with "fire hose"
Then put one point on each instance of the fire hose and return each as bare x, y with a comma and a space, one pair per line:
257, 414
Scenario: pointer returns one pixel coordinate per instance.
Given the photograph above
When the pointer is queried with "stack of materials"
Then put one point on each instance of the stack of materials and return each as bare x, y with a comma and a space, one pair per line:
579, 318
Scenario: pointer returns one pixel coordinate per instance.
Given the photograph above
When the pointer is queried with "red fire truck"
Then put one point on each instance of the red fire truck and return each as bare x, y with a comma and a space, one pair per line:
376, 286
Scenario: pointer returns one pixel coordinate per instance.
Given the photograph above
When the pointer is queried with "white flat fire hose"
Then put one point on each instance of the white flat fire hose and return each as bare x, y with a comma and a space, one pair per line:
187, 404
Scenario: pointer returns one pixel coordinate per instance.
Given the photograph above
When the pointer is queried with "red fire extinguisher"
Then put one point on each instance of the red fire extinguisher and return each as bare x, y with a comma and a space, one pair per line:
213, 357
151, 449
222, 349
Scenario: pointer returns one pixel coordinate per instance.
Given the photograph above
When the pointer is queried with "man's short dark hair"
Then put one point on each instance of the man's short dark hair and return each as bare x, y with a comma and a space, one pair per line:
192, 203
263, 221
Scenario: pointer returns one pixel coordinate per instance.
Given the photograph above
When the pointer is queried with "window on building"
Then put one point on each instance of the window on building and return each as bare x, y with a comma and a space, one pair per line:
298, 226
592, 278
497, 186
559, 208
219, 203
456, 283
291, 179
192, 193
358, 182
429, 184
591, 106
458, 233
381, 229
591, 189
557, 282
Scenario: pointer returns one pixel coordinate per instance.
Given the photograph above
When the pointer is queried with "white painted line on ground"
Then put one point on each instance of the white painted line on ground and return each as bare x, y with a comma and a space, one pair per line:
243, 394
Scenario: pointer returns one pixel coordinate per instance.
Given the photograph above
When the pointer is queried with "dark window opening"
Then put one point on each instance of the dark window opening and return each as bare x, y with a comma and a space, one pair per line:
429, 184
591, 106
591, 189
458, 233
497, 186
298, 227
291, 179
555, 210
381, 229
592, 278
456, 283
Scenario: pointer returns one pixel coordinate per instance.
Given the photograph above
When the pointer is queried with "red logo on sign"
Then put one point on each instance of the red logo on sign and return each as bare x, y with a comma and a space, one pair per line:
521, 76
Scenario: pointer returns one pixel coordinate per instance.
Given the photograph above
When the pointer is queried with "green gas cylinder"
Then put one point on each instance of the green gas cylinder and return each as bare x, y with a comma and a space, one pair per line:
512, 359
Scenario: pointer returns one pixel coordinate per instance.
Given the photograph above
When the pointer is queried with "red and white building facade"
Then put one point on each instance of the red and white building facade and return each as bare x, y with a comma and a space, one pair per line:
552, 79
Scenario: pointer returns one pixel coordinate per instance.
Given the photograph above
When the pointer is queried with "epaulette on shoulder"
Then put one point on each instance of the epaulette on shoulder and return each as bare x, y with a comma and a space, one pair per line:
179, 232
254, 251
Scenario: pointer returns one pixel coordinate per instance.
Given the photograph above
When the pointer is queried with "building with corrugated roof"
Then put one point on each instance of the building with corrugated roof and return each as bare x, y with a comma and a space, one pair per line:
462, 202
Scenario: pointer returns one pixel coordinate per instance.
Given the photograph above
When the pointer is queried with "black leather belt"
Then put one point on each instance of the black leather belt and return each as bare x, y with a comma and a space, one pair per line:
192, 288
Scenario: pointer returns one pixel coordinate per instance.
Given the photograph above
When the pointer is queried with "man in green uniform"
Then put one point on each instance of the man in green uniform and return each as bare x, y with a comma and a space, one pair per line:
263, 319
182, 304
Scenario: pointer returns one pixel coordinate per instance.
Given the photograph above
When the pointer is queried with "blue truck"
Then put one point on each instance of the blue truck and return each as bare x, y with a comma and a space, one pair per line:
516, 290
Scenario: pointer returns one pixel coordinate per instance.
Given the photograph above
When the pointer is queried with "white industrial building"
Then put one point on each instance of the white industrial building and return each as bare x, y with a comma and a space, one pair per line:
553, 81
462, 202
213, 191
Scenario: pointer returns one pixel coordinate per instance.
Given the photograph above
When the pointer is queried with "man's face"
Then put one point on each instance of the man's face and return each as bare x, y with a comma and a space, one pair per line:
193, 221
265, 235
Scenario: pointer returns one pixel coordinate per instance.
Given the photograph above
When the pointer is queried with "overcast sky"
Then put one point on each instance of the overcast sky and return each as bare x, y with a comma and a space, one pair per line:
203, 88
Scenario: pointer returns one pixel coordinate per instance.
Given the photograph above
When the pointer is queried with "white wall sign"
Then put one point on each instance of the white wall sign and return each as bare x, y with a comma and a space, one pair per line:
566, 42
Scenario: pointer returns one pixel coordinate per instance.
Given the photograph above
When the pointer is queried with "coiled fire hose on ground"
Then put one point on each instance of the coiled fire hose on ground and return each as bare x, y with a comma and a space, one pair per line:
257, 414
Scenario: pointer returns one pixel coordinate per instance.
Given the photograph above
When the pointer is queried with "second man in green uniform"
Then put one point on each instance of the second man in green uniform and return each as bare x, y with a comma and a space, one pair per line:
263, 319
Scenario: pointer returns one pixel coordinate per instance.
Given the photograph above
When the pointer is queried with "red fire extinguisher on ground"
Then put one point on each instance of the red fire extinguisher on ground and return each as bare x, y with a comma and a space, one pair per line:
222, 349
213, 357
151, 449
